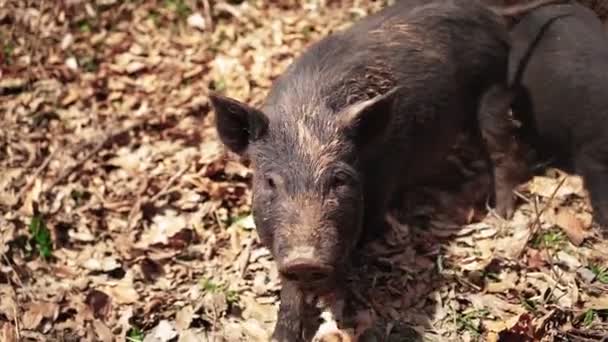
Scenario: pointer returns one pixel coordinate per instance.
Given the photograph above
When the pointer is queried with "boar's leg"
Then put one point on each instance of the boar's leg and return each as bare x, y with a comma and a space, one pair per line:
291, 314
592, 164
503, 149
376, 204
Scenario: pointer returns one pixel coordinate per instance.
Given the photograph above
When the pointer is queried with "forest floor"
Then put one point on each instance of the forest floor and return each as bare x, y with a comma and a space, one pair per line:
123, 218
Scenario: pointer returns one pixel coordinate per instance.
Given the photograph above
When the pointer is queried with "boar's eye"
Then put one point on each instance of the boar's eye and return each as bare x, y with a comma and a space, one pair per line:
340, 178
272, 180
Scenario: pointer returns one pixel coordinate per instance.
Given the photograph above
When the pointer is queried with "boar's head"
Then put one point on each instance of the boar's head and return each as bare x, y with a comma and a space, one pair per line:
308, 183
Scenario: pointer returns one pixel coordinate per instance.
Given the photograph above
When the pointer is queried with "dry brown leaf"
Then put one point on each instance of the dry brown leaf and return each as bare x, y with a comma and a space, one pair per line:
123, 294
536, 259
102, 331
504, 323
135, 67
507, 282
515, 245
545, 186
163, 332
106, 264
568, 260
151, 269
162, 229
497, 306
191, 336
36, 312
257, 311
254, 331
99, 303
124, 321
8, 306
571, 225
196, 20
597, 303
8, 332
183, 318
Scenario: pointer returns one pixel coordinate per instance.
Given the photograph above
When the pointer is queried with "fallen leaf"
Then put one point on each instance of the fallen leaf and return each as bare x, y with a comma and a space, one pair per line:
515, 245
597, 303
246, 223
197, 21
99, 303
123, 294
162, 229
72, 63
569, 260
183, 318
586, 274
501, 324
523, 330
106, 264
135, 67
536, 259
255, 331
151, 269
498, 307
545, 186
8, 333
508, 281
36, 312
102, 331
8, 306
571, 225
163, 332
191, 336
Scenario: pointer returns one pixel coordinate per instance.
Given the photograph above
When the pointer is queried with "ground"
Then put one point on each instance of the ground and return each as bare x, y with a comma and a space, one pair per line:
123, 218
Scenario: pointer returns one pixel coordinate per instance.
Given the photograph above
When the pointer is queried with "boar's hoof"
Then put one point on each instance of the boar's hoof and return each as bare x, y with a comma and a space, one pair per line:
505, 202
506, 210
284, 333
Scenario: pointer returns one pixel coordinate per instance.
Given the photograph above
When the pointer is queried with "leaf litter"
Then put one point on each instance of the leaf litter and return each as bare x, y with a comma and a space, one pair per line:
123, 218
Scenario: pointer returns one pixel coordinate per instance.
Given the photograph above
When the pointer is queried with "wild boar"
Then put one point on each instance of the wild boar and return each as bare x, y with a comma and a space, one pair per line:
358, 116
600, 7
559, 60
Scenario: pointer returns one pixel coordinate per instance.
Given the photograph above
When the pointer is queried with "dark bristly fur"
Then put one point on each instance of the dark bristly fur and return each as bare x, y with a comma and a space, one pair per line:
358, 116
563, 102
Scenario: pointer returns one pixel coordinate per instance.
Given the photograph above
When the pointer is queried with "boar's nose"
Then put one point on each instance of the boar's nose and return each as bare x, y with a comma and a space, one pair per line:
304, 270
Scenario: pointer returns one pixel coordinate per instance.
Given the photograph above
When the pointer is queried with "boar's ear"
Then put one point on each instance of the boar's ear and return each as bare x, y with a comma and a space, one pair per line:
237, 124
367, 121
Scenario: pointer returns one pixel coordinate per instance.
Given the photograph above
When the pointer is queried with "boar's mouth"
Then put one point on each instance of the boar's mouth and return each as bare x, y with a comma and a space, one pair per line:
307, 269
317, 287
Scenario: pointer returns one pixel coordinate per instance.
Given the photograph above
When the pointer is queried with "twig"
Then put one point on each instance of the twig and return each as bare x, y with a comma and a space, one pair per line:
16, 313
244, 262
100, 145
536, 222
137, 207
522, 197
15, 307
37, 173
19, 280
208, 16
549, 255
172, 180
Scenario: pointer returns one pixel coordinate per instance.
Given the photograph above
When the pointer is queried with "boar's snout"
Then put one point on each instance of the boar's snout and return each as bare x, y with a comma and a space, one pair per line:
303, 267
306, 271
